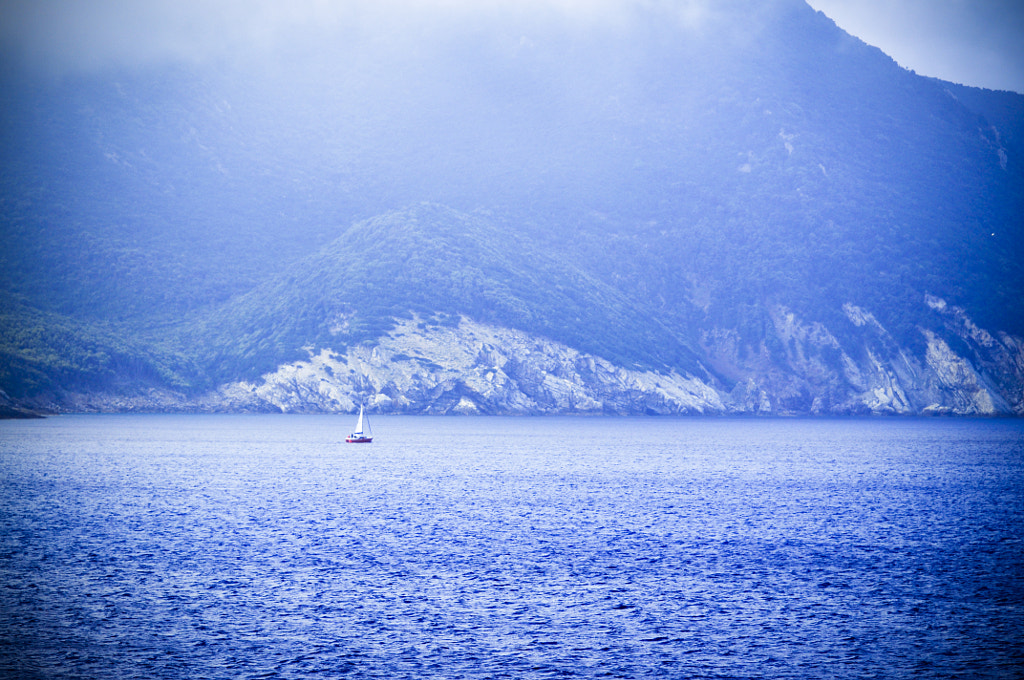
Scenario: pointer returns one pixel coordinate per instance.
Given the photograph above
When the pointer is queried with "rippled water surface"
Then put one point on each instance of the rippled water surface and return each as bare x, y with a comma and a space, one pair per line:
264, 547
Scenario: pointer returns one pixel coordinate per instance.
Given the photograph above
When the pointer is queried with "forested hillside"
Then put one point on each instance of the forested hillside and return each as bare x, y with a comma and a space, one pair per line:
737, 201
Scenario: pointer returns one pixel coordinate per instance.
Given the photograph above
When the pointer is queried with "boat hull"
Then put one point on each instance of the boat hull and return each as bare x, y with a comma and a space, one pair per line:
358, 440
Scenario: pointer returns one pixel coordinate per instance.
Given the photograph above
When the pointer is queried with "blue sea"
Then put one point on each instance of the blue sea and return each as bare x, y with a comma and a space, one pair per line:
255, 546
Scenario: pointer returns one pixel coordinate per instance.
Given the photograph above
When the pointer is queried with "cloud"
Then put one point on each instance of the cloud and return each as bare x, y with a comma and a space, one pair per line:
77, 35
59, 35
972, 41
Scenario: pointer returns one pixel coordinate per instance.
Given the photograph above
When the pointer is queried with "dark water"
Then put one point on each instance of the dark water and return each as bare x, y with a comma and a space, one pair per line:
263, 547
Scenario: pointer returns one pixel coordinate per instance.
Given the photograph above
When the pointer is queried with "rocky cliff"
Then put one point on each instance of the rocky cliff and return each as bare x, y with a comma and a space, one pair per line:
475, 368
811, 371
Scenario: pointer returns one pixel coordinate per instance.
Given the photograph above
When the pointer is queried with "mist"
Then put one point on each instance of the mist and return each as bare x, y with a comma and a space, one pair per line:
55, 37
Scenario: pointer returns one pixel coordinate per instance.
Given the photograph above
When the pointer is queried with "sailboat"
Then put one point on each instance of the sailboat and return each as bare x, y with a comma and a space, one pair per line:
361, 436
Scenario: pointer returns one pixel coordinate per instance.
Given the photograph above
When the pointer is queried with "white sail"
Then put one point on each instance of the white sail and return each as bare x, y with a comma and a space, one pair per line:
361, 435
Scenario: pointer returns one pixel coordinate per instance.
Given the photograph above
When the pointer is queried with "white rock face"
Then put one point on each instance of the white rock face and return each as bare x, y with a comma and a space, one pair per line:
469, 368
808, 371
798, 368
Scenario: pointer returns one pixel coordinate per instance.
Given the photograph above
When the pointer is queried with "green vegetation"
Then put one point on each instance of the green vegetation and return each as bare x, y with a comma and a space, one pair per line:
45, 353
439, 264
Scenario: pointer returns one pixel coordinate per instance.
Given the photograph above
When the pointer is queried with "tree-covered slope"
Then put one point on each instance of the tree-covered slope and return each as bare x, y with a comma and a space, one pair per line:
435, 263
44, 355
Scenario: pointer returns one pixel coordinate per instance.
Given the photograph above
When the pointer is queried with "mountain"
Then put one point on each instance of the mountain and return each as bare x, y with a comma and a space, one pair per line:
743, 210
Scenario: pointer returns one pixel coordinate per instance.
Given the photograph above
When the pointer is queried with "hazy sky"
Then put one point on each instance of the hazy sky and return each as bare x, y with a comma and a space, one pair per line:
975, 42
